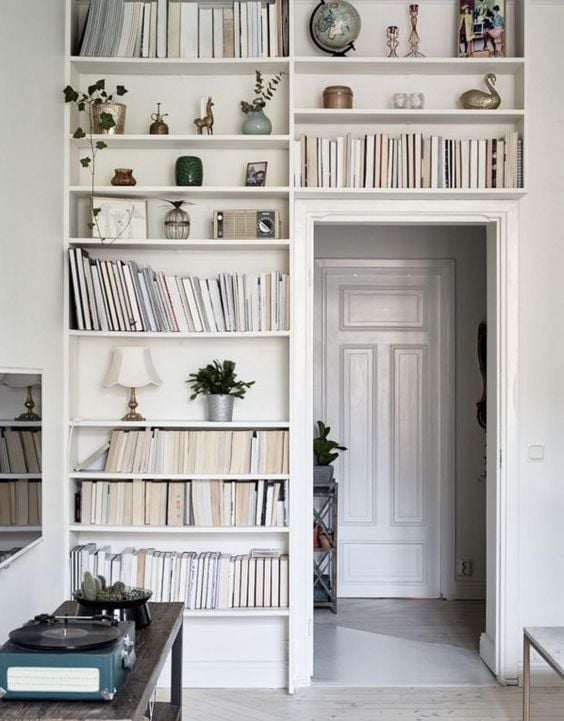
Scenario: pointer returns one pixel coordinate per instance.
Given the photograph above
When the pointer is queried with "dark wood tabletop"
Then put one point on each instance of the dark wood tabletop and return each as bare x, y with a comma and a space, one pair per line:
152, 647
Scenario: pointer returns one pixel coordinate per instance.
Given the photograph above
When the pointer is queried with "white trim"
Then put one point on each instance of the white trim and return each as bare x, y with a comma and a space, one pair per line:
501, 216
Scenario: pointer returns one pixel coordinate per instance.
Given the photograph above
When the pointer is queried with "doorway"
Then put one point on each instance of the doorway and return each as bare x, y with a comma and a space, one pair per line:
499, 646
397, 310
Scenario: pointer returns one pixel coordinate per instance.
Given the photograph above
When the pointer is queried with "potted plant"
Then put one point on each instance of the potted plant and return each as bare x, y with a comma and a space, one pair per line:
324, 451
256, 122
218, 382
105, 116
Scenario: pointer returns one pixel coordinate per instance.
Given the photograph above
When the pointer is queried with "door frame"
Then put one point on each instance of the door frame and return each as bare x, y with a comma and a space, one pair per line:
444, 269
500, 643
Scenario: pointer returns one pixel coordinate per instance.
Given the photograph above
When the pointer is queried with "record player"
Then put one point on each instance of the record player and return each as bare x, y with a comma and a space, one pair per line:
67, 658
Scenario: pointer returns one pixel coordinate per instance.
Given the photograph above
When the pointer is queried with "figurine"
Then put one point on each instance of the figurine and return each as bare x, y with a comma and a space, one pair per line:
159, 127
207, 120
413, 36
479, 100
392, 33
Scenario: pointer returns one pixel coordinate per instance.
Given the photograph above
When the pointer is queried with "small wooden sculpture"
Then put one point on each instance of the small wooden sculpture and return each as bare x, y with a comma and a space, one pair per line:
206, 121
479, 100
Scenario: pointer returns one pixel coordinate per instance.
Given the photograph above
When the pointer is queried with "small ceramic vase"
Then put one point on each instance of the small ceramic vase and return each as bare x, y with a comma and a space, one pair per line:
189, 170
123, 176
256, 123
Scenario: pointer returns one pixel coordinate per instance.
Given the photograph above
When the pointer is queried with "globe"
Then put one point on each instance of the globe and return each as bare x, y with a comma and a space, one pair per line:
334, 26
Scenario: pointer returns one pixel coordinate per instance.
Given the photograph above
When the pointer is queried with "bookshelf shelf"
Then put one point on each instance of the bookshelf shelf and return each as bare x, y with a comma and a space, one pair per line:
175, 66
408, 66
154, 191
101, 475
146, 334
19, 424
410, 193
189, 244
184, 424
20, 529
22, 476
216, 142
200, 530
415, 117
237, 613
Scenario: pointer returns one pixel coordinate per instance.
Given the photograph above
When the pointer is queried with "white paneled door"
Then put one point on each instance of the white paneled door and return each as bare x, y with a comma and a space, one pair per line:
384, 341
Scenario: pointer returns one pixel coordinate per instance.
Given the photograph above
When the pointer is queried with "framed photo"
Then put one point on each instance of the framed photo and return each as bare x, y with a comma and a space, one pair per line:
256, 174
481, 29
121, 218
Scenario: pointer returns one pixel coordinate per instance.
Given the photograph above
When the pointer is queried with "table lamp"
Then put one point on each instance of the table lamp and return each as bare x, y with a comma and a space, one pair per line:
24, 380
132, 367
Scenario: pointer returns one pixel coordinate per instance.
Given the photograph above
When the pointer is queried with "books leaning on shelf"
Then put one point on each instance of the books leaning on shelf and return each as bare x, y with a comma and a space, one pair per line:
182, 503
20, 451
408, 161
154, 450
20, 503
207, 580
117, 295
186, 29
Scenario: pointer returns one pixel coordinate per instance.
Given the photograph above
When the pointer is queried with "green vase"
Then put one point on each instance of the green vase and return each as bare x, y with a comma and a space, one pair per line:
256, 123
189, 170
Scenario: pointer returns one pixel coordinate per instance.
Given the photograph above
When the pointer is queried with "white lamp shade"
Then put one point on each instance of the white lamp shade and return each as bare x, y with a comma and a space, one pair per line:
132, 367
21, 380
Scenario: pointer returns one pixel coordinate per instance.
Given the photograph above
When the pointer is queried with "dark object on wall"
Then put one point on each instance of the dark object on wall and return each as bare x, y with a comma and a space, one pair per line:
481, 405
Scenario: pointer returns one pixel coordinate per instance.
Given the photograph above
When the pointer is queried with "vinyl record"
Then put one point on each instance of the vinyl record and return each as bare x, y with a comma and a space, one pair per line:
61, 636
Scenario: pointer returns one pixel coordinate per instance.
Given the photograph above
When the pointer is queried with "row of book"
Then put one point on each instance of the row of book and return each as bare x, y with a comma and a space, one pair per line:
408, 161
117, 295
182, 503
186, 29
20, 503
154, 450
20, 451
200, 580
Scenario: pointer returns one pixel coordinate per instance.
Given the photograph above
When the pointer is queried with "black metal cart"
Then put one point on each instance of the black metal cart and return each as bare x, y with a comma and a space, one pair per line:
325, 522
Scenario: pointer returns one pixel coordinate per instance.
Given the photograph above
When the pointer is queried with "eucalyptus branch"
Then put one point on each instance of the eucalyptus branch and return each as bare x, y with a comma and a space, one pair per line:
263, 92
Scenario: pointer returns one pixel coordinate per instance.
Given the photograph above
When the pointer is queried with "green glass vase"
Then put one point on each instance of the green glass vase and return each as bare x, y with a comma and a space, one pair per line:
189, 170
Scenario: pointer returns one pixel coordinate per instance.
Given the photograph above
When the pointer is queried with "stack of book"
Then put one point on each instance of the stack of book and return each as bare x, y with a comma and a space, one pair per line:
208, 580
20, 503
116, 295
408, 161
186, 29
182, 503
20, 451
154, 450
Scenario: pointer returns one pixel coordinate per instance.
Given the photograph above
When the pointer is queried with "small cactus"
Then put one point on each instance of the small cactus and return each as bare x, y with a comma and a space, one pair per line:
99, 587
102, 581
119, 587
89, 590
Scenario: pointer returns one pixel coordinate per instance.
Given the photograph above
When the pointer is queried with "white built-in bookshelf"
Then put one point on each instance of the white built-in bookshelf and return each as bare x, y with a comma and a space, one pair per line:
93, 411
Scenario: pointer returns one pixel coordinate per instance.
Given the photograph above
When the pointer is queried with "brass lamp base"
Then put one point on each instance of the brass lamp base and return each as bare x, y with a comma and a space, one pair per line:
133, 415
29, 415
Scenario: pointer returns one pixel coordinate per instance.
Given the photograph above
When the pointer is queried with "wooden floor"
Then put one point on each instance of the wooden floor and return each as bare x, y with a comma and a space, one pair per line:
356, 704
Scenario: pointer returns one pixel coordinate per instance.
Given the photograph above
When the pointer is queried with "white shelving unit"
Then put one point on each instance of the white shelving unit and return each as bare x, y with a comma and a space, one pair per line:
297, 108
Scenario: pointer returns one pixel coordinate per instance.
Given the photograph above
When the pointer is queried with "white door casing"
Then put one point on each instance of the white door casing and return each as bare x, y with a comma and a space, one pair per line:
385, 370
500, 644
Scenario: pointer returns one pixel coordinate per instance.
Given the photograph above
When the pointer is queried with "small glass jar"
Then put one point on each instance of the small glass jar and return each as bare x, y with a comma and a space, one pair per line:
399, 101
416, 101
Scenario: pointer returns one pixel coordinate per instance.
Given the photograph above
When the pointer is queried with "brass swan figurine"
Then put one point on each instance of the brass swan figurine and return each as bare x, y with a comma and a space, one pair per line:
480, 100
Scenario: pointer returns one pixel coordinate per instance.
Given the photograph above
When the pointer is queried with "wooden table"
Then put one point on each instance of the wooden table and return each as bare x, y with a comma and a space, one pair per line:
152, 647
548, 642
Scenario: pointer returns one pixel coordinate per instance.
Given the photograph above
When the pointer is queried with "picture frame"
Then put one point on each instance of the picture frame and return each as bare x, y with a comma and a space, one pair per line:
482, 28
122, 218
256, 174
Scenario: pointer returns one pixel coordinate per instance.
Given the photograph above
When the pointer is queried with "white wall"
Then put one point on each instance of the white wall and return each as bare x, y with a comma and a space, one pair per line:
467, 246
31, 208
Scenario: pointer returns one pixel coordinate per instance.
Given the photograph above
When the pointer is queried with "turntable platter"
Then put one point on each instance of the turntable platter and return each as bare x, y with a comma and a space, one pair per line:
65, 635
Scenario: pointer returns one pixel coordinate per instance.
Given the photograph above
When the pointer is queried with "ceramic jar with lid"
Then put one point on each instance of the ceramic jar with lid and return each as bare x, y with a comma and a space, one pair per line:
337, 97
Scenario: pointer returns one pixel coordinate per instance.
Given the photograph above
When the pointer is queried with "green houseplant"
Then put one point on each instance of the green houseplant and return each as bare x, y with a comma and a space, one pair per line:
218, 382
324, 452
256, 122
106, 117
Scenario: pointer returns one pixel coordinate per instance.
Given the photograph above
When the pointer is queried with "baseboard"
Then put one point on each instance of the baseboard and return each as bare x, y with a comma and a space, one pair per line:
487, 652
230, 673
470, 590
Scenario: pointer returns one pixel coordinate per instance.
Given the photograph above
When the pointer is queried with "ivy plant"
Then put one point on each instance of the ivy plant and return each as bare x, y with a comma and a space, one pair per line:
218, 379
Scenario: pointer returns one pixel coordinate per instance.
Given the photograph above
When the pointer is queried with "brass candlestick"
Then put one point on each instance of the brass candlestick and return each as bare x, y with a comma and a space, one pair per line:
392, 33
29, 415
413, 36
133, 415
